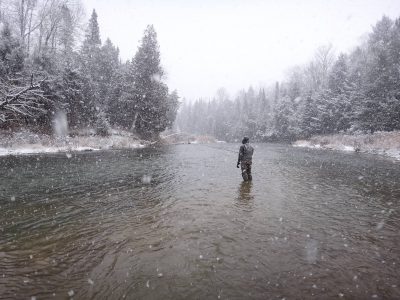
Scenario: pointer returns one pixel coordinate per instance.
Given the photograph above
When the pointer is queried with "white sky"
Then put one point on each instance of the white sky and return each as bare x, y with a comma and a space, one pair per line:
208, 44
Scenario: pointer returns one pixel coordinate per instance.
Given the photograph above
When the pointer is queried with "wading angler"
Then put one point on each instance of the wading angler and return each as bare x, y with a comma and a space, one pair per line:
245, 159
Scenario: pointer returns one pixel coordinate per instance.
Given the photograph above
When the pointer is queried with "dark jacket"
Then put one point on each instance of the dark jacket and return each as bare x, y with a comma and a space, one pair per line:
245, 153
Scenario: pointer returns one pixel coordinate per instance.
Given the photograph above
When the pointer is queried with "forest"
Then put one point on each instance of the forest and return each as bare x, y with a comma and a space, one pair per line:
356, 92
52, 64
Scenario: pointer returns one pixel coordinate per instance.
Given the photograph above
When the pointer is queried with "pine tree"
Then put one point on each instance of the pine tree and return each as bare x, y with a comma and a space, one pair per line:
307, 118
89, 57
276, 92
339, 92
394, 100
338, 77
108, 65
71, 90
92, 37
172, 108
263, 114
66, 39
283, 119
150, 94
380, 76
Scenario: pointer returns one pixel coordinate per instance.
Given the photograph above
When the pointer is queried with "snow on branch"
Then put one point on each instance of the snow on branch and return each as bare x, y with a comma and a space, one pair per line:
21, 100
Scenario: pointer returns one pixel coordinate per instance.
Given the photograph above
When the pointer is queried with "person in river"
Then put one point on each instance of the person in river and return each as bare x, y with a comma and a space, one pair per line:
245, 159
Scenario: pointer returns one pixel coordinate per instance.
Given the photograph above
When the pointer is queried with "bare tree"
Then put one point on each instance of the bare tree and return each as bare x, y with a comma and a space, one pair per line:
39, 20
21, 100
318, 69
21, 15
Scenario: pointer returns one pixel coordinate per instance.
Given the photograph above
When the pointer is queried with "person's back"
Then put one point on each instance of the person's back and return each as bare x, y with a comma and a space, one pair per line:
245, 159
247, 152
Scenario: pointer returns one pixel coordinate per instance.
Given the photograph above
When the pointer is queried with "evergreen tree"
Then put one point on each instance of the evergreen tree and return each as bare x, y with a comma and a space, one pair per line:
92, 37
108, 65
339, 91
66, 39
283, 119
118, 110
89, 58
338, 81
382, 79
307, 117
88, 85
276, 92
149, 94
72, 97
263, 114
172, 108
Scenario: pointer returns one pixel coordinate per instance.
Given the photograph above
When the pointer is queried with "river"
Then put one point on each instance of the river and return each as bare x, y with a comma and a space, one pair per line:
177, 222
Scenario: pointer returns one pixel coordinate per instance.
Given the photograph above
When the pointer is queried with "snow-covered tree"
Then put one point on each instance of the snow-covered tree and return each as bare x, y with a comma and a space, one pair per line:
147, 93
89, 58
11, 53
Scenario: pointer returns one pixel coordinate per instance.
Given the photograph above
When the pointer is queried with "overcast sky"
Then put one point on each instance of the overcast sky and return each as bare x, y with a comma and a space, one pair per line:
207, 44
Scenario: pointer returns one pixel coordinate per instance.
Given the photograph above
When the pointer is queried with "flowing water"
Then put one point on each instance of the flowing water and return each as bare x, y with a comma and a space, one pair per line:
177, 222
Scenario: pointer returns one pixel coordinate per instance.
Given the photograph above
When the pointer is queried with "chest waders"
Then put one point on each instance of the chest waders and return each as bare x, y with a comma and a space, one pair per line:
246, 162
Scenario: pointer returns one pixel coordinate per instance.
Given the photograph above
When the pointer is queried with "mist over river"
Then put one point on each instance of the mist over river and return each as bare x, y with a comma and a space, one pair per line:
177, 222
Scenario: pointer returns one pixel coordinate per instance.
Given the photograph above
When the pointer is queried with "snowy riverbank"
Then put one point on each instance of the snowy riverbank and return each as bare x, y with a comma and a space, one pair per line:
382, 143
25, 142
186, 138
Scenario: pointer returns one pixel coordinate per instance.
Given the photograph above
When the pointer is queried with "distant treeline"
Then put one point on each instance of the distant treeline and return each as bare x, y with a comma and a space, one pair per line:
356, 92
44, 71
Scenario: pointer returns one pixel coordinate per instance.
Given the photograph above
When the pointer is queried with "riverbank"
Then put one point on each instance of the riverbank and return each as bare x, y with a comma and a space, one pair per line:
382, 143
186, 138
26, 142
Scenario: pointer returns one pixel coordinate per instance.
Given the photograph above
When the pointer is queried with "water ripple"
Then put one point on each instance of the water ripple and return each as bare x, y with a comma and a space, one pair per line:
178, 223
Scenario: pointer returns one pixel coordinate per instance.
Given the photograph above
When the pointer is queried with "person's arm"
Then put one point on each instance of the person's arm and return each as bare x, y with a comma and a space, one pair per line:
240, 156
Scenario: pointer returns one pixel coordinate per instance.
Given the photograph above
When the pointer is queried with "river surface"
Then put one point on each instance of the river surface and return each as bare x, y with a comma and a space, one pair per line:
177, 222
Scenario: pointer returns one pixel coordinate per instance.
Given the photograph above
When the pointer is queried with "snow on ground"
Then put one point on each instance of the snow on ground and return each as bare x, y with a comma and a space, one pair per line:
35, 149
382, 143
21, 143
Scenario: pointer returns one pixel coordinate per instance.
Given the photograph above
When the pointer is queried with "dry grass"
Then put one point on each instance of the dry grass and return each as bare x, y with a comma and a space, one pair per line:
25, 140
378, 140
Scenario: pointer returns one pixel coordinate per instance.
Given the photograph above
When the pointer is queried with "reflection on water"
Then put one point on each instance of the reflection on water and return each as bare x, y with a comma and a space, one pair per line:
245, 195
179, 223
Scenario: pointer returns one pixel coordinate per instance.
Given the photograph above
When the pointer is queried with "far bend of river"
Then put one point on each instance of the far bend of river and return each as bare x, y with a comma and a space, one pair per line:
176, 222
